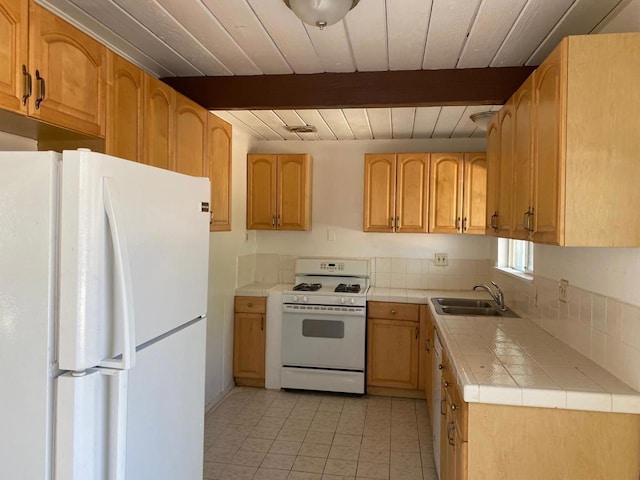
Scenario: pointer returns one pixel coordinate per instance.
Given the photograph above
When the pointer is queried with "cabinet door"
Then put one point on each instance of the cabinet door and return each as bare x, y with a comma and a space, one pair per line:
248, 345
72, 71
549, 85
159, 100
445, 184
293, 185
505, 186
125, 97
493, 174
379, 192
219, 172
412, 196
475, 194
522, 160
13, 54
261, 191
191, 134
392, 353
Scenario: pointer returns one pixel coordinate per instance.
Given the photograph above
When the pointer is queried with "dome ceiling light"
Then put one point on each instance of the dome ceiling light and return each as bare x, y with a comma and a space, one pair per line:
320, 13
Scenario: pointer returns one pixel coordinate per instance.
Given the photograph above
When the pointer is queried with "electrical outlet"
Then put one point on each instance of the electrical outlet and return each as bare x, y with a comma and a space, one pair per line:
441, 260
563, 286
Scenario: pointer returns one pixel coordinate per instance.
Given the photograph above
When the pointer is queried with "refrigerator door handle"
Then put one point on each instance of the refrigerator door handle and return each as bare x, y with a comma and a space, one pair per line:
123, 277
118, 433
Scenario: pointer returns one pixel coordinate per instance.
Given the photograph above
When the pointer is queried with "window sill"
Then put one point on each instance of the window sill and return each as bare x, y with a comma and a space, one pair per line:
517, 274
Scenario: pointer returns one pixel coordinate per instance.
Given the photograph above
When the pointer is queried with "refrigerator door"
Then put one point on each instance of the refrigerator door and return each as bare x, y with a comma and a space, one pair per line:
28, 220
133, 257
147, 422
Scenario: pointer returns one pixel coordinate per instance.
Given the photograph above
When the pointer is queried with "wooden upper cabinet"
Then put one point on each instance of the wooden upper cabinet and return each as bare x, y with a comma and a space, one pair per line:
412, 179
396, 192
219, 172
505, 183
379, 192
474, 205
190, 137
278, 192
522, 189
293, 208
159, 101
445, 184
13, 54
493, 175
125, 113
548, 188
69, 74
261, 191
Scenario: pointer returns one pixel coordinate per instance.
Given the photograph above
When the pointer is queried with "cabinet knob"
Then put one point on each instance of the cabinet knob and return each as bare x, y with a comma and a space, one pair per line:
446, 384
393, 312
249, 304
454, 407
440, 367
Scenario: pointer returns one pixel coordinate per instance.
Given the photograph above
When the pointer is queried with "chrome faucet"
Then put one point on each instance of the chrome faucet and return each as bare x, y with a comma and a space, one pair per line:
498, 297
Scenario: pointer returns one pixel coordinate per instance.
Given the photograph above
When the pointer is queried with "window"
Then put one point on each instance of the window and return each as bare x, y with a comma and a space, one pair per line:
516, 255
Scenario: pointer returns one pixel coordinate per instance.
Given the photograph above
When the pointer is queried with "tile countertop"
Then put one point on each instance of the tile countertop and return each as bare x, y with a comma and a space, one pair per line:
513, 361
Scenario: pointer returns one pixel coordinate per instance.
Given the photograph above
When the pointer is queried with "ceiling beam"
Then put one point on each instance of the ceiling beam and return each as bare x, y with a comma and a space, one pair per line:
470, 86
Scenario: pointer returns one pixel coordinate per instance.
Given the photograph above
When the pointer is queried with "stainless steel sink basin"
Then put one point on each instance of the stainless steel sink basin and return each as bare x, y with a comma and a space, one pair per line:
469, 307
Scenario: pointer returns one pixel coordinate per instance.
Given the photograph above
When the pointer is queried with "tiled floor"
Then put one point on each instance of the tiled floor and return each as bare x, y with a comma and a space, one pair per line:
273, 435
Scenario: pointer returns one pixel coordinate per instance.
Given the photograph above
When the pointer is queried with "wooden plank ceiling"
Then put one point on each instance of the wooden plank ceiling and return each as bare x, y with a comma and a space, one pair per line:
239, 38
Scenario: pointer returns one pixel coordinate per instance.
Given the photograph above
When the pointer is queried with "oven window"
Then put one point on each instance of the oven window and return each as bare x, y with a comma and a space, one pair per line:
322, 328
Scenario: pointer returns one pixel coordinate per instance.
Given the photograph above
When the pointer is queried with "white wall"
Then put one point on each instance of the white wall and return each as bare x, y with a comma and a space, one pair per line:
225, 247
337, 204
9, 142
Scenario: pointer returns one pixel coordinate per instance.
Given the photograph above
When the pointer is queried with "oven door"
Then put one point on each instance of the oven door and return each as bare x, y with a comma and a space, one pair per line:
323, 337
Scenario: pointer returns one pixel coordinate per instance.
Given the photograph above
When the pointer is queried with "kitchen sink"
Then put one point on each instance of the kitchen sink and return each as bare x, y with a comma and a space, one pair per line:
470, 307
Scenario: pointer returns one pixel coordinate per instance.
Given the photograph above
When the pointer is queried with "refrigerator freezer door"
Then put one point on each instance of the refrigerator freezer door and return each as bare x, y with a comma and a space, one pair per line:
162, 226
156, 431
28, 219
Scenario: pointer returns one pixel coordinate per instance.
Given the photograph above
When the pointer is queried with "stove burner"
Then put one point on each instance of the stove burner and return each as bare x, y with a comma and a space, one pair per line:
307, 287
351, 288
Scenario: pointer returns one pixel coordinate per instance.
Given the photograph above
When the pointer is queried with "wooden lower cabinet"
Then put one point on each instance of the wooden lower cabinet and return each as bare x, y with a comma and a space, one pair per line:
479, 441
393, 344
249, 334
427, 335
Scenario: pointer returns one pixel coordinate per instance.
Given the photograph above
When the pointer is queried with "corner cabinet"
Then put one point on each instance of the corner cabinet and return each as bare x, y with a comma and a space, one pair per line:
396, 193
278, 192
219, 172
458, 190
68, 70
249, 337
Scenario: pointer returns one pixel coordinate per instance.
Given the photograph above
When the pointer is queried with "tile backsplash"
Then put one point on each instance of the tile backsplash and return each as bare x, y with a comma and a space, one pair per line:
601, 328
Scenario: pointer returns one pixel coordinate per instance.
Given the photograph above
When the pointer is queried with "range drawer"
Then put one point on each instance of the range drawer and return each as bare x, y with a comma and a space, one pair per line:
250, 305
394, 311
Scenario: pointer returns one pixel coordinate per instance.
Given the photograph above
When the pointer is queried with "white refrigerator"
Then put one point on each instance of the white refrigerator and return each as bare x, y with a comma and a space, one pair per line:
103, 300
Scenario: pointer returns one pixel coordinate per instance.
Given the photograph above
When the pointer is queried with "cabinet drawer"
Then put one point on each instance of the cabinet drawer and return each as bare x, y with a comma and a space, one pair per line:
394, 311
250, 305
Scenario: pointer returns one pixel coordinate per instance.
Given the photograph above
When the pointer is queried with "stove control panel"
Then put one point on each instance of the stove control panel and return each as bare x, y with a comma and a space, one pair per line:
332, 266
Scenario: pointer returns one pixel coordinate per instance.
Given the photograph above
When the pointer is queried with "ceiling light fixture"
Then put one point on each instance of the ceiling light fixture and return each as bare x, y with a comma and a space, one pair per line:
301, 128
320, 13
481, 119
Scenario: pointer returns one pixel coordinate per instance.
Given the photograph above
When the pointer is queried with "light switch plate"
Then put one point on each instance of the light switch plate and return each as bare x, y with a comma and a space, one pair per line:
563, 286
441, 259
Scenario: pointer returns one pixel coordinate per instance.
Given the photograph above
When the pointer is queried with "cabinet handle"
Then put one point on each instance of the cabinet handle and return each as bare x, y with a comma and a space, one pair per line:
443, 406
417, 332
262, 323
211, 218
273, 221
397, 223
525, 220
426, 345
279, 221
464, 224
458, 223
451, 429
28, 87
494, 221
530, 223
41, 89
391, 223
